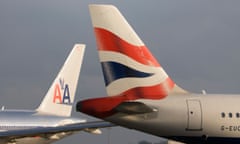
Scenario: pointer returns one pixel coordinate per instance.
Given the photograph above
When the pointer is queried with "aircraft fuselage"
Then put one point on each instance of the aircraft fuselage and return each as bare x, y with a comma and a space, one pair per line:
194, 118
25, 119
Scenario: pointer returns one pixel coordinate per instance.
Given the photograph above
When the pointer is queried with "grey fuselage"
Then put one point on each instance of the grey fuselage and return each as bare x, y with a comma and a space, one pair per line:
188, 118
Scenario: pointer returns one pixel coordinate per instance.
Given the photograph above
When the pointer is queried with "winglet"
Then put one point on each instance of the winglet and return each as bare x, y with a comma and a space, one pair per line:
60, 96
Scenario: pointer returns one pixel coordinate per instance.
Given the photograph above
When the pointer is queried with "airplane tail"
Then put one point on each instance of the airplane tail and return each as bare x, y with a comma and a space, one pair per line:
60, 96
128, 66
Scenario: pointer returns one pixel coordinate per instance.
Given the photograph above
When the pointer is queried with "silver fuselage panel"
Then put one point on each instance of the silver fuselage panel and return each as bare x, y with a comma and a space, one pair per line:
24, 119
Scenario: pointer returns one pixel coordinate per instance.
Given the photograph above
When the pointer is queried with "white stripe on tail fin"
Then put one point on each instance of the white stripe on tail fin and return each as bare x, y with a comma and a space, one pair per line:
128, 66
60, 96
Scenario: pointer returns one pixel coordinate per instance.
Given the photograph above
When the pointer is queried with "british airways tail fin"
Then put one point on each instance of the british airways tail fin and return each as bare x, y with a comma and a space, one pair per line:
128, 66
60, 96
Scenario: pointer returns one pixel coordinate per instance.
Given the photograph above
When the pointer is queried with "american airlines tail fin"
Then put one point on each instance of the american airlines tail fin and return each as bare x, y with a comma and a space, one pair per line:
128, 66
60, 96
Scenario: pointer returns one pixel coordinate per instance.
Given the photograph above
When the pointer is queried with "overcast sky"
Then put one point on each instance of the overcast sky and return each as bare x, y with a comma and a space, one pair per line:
197, 43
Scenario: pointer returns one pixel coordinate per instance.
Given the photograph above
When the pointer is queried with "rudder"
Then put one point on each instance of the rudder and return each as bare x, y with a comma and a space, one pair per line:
60, 96
129, 68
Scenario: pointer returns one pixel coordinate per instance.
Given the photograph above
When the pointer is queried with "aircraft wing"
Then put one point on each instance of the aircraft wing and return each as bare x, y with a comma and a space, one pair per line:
45, 131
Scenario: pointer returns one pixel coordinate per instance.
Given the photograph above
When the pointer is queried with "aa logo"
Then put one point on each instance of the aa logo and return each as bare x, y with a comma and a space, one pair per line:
61, 93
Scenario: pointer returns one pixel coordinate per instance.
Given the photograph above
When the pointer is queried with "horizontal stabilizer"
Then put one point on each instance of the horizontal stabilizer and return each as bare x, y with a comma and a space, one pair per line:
134, 108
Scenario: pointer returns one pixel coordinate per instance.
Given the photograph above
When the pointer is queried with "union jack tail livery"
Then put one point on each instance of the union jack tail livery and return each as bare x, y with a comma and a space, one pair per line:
130, 70
60, 96
128, 66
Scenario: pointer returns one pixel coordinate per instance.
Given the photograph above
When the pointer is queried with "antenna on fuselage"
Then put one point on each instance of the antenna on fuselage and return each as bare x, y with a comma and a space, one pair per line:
204, 92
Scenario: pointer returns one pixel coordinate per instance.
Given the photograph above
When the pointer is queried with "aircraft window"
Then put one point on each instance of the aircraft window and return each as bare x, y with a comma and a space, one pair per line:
230, 115
223, 115
237, 115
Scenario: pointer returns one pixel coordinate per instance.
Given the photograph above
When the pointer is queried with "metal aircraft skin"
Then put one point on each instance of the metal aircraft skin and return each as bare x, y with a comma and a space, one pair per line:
52, 120
142, 96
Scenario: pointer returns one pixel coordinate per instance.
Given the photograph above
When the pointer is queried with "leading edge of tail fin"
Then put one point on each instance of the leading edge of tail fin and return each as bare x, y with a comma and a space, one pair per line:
60, 96
128, 66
